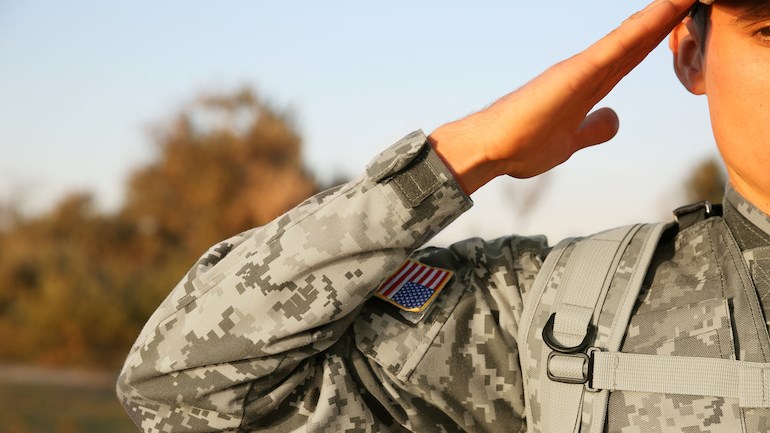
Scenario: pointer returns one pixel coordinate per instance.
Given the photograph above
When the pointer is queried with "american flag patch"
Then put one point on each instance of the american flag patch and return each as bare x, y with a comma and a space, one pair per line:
413, 286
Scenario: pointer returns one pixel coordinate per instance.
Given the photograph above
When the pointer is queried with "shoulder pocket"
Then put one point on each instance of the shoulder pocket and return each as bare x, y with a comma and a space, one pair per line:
395, 343
698, 329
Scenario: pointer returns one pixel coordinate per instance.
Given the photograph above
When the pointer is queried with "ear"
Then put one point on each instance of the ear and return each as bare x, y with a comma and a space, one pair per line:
685, 44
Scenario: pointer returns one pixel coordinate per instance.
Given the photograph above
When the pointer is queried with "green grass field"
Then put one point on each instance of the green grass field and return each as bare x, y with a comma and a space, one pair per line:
59, 409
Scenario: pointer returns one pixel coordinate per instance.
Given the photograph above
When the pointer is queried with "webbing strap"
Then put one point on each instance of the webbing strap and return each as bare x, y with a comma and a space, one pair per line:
586, 276
622, 315
749, 382
587, 273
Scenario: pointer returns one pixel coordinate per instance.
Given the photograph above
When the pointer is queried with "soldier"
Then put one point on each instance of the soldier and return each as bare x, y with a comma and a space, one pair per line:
331, 319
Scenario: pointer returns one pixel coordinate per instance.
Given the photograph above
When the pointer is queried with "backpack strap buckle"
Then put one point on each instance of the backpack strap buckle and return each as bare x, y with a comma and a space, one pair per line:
572, 365
573, 368
549, 340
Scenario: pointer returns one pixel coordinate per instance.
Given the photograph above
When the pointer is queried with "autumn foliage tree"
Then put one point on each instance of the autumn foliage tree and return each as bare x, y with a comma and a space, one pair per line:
76, 285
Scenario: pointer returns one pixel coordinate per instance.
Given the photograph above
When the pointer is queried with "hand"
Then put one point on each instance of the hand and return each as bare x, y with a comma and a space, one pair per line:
537, 127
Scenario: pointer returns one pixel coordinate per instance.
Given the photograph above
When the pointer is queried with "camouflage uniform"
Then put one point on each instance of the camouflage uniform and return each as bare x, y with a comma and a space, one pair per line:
274, 329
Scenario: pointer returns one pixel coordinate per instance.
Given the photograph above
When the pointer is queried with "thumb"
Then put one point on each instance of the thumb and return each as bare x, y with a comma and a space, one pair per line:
598, 127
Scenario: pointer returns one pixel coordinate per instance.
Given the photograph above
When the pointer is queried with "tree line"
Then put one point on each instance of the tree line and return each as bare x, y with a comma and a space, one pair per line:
76, 285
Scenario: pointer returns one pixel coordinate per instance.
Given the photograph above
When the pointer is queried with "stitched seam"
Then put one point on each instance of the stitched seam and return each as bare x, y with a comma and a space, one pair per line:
751, 307
712, 252
628, 239
751, 228
625, 292
243, 406
761, 273
719, 343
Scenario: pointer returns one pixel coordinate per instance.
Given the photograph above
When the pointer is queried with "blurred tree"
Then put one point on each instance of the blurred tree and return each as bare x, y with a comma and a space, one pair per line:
76, 286
706, 181
226, 164
58, 273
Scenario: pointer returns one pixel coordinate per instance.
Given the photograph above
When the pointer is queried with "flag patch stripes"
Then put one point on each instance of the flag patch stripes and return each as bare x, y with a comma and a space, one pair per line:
413, 286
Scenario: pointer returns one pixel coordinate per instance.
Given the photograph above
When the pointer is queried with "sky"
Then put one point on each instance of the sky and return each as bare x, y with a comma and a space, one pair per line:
83, 84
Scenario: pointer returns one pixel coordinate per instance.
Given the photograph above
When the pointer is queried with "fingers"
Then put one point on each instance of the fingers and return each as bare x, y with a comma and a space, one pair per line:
541, 124
598, 127
628, 44
592, 74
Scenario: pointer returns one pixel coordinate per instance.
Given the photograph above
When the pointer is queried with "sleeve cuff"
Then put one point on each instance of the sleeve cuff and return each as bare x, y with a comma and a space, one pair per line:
420, 188
415, 171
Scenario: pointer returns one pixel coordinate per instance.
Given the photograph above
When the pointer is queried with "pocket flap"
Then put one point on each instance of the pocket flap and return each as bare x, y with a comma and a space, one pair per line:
395, 343
698, 329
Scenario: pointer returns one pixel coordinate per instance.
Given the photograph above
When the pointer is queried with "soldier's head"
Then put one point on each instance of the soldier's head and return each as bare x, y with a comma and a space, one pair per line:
723, 51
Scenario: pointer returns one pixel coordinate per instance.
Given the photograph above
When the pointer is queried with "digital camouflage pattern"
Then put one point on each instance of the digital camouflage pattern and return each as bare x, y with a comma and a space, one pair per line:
275, 329
751, 229
541, 407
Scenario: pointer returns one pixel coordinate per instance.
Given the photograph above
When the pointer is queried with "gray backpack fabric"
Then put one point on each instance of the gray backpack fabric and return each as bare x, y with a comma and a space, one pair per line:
571, 333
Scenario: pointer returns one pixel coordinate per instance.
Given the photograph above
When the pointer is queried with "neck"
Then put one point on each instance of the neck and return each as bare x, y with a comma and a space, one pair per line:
752, 192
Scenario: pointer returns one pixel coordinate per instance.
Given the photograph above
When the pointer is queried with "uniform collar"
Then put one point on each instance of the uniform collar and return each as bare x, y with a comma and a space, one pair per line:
749, 225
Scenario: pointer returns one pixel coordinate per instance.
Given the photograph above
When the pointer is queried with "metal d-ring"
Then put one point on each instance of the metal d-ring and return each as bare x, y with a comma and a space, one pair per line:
556, 346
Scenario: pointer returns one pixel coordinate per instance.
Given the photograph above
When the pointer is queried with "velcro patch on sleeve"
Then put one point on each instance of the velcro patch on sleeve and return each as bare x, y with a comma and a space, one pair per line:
413, 286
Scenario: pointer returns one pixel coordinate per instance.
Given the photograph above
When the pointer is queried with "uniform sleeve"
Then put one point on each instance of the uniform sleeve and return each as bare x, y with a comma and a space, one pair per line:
238, 329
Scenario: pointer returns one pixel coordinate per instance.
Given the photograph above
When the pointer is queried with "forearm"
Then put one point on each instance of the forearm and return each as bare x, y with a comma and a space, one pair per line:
285, 292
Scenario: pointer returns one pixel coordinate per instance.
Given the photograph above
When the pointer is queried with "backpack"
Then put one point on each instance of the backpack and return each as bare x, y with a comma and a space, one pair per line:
570, 335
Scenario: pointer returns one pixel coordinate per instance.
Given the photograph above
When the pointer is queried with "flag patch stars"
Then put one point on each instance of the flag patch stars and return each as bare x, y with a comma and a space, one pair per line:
413, 286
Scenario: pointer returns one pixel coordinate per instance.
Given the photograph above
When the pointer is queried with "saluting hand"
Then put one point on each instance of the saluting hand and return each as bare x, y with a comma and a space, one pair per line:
537, 127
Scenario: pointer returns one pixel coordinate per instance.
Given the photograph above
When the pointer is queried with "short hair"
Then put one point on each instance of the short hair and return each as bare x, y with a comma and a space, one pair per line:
700, 16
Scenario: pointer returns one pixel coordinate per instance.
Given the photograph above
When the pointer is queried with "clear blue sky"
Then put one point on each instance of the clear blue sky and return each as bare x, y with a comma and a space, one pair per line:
83, 82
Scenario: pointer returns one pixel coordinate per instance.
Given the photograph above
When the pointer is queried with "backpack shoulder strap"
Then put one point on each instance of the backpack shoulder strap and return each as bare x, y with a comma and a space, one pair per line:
747, 382
559, 326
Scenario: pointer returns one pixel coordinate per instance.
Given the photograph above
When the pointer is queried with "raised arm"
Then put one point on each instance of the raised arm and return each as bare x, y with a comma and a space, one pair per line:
250, 322
250, 334
537, 127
